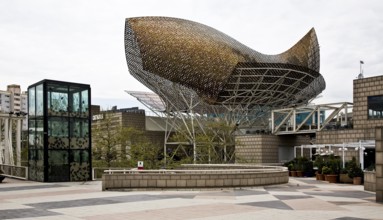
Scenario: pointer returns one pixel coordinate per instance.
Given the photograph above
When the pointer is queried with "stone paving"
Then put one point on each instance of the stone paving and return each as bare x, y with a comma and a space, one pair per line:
301, 198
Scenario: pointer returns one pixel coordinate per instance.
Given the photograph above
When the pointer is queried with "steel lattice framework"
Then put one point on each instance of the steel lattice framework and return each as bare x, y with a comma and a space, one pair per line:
201, 74
194, 67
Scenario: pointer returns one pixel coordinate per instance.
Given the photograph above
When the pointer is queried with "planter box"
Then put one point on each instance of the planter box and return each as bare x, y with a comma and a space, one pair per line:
357, 180
332, 178
343, 178
299, 173
320, 176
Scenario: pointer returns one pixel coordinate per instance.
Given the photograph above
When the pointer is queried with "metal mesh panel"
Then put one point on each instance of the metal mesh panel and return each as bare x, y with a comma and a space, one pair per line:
193, 66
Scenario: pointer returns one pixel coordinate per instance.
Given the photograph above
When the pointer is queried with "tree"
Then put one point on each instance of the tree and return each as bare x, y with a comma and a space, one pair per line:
111, 140
121, 146
214, 144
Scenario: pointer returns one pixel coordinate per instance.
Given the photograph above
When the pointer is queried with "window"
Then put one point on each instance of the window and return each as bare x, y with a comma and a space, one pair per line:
375, 107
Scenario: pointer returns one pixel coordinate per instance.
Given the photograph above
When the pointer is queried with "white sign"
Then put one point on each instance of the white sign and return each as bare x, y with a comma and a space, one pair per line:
98, 117
140, 165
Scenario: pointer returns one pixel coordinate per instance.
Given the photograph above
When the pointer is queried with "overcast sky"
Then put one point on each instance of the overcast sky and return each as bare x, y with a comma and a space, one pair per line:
83, 40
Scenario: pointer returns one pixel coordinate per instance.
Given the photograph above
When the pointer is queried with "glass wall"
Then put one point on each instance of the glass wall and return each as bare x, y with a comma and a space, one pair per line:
36, 133
65, 121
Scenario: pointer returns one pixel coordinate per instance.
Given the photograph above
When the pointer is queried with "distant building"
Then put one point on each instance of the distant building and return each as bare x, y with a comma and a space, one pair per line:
153, 127
13, 120
13, 100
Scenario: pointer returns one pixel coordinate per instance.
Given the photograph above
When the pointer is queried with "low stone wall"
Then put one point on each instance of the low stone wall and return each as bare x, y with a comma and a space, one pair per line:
369, 181
187, 179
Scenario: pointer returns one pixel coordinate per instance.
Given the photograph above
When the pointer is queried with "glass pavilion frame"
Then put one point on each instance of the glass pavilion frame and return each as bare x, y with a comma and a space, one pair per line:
59, 131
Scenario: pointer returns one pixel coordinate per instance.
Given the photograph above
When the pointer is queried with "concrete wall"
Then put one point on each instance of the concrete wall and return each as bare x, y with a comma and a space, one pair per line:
363, 88
379, 164
263, 148
364, 128
191, 180
369, 181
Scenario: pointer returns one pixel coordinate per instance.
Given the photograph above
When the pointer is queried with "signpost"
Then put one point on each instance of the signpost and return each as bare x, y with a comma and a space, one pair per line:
140, 165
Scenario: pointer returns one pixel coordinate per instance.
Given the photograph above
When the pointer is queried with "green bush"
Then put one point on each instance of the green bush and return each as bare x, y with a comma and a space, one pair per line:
319, 163
354, 169
334, 162
326, 170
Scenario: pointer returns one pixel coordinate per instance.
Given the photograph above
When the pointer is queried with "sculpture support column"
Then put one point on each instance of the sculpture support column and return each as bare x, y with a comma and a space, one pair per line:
379, 163
2, 143
10, 142
6, 141
18, 143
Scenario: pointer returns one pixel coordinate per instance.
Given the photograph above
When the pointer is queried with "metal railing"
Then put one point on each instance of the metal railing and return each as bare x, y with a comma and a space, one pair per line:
203, 171
18, 172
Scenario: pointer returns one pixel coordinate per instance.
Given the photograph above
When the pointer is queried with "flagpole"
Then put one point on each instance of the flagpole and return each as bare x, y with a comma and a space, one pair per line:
360, 64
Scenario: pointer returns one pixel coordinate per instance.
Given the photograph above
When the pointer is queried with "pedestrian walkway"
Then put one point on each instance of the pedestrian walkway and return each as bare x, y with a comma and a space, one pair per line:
301, 198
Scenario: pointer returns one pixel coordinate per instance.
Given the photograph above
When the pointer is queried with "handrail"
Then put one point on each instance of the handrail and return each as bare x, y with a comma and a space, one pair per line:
18, 172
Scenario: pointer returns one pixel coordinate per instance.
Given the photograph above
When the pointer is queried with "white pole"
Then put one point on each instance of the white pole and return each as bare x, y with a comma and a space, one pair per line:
345, 115
361, 155
318, 123
1, 142
194, 143
165, 139
301, 150
6, 141
343, 162
295, 151
294, 120
11, 160
18, 143
272, 121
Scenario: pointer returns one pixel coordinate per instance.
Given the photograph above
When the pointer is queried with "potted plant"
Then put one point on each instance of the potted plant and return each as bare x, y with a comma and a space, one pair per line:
333, 163
308, 168
290, 168
326, 171
343, 176
319, 163
300, 166
355, 172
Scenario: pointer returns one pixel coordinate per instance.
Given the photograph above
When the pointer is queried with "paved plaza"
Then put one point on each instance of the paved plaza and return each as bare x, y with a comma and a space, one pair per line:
301, 198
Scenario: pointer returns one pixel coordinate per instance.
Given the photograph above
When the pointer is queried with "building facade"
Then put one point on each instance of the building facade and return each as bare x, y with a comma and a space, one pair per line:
367, 114
152, 127
14, 100
13, 124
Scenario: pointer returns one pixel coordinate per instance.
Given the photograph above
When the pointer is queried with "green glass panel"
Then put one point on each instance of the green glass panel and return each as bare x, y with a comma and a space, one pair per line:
39, 100
31, 100
31, 133
57, 127
84, 101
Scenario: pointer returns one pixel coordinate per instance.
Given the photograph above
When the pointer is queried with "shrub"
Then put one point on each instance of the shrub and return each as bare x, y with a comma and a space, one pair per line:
319, 163
326, 170
354, 169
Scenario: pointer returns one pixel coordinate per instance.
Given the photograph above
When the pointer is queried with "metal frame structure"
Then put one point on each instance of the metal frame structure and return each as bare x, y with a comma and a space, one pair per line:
327, 149
6, 137
284, 121
202, 74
